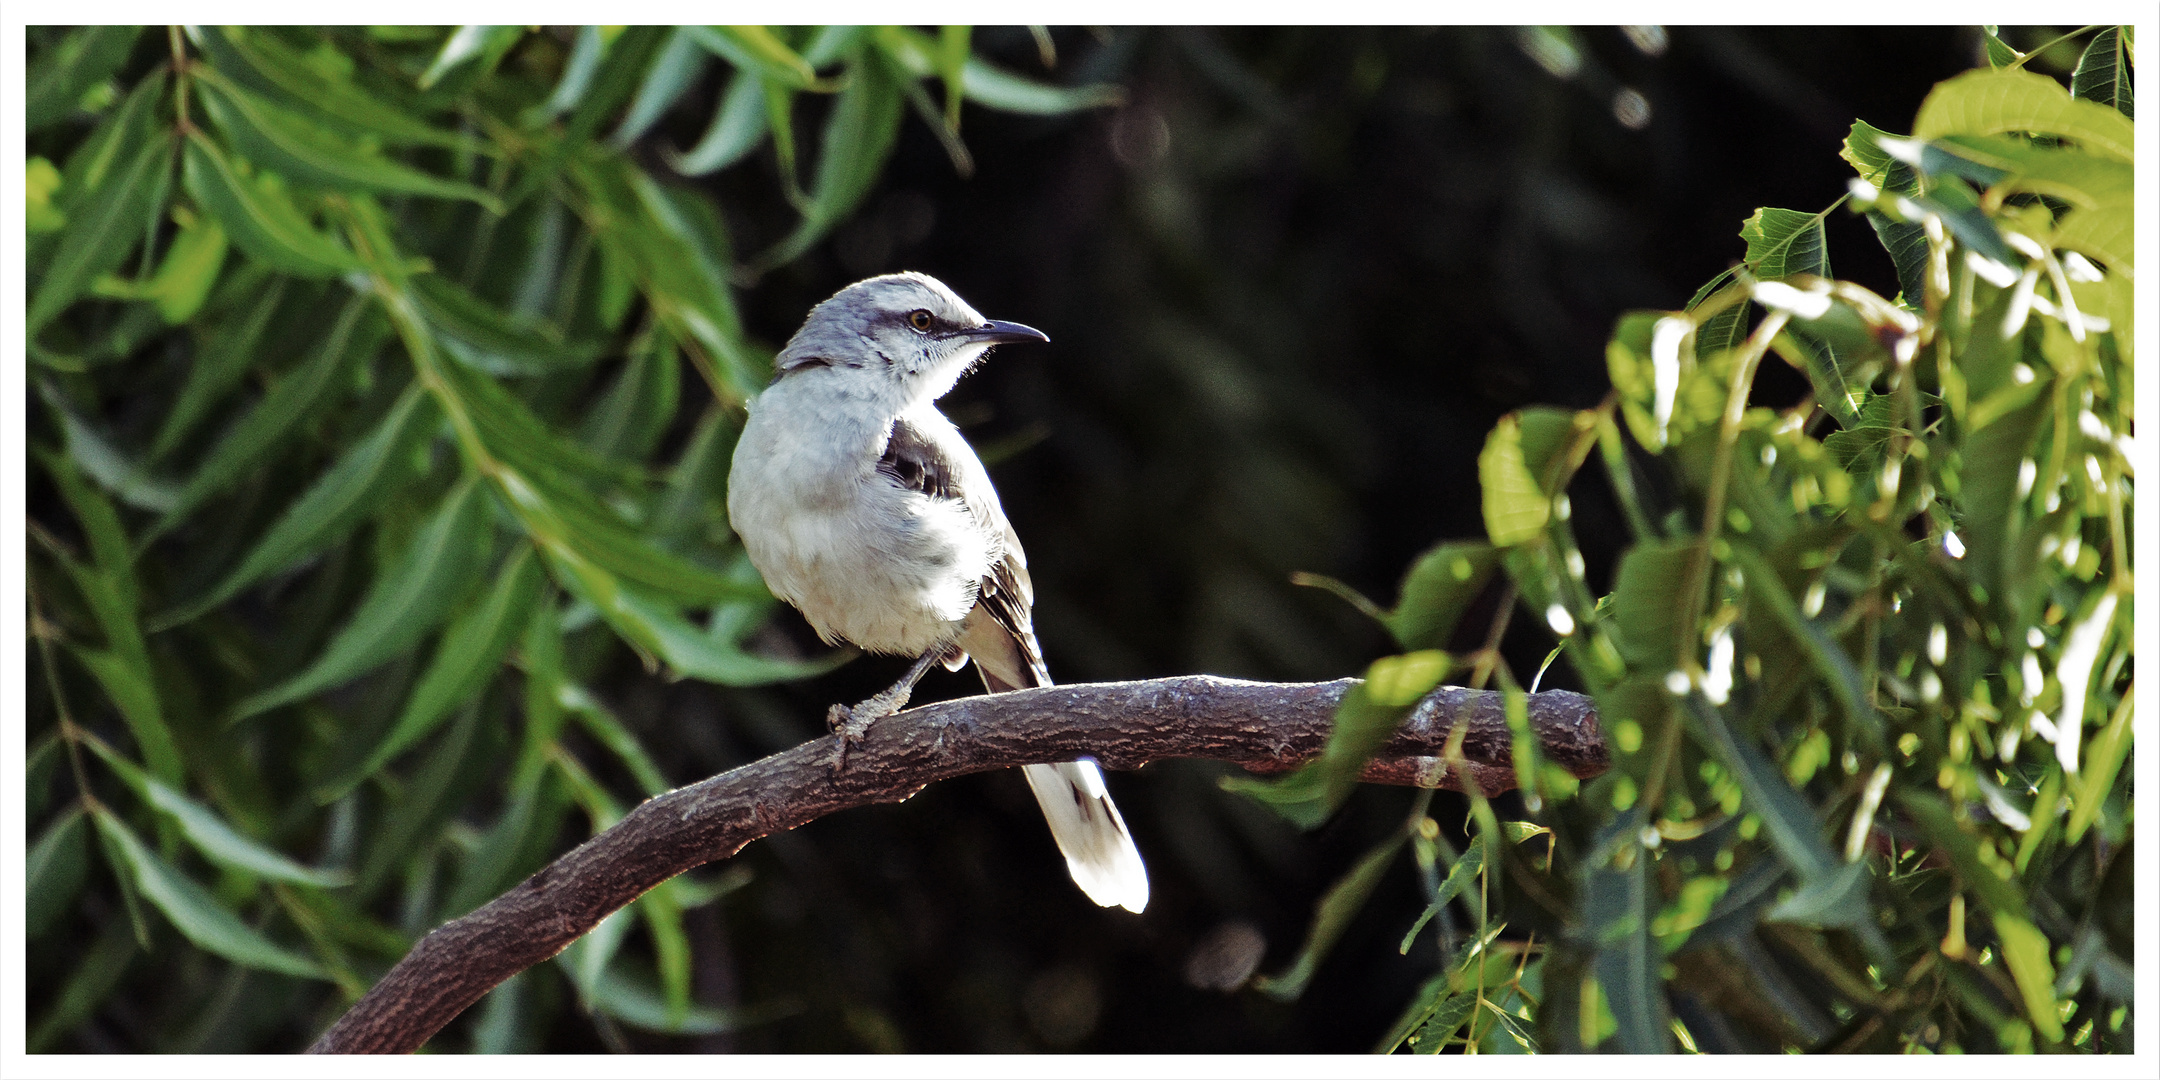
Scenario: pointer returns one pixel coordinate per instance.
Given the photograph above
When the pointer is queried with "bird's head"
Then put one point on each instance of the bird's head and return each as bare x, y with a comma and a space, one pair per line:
908, 327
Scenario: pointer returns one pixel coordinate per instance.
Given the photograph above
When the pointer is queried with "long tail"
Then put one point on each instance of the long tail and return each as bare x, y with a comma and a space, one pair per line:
1098, 849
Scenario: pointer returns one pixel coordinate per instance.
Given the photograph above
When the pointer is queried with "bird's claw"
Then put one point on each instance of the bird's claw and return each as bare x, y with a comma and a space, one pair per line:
848, 726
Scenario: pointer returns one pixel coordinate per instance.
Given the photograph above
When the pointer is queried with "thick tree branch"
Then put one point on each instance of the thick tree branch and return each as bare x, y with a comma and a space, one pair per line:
1266, 727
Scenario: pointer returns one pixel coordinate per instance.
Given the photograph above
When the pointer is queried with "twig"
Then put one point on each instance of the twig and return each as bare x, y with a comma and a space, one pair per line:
1267, 727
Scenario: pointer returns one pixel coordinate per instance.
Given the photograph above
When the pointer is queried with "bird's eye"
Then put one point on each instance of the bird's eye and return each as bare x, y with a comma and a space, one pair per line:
919, 319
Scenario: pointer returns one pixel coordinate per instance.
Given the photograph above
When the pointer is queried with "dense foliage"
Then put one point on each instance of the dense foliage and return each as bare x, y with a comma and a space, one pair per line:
383, 388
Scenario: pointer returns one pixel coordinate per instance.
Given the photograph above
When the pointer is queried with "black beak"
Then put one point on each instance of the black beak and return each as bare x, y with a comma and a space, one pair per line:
996, 332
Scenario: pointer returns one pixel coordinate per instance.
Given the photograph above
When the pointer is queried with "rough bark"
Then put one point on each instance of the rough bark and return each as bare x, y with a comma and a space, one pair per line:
1266, 727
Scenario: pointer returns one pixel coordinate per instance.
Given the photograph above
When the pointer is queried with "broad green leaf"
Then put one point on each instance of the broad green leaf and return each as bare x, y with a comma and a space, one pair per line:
224, 356
858, 137
2103, 72
495, 339
407, 599
2014, 100
1341, 904
738, 125
464, 660
2025, 950
2105, 233
755, 49
53, 872
1954, 201
673, 72
357, 334
209, 833
287, 142
1863, 151
1995, 455
1516, 506
1648, 602
196, 913
259, 217
102, 231
262, 61
1440, 586
331, 506
1782, 243
86, 57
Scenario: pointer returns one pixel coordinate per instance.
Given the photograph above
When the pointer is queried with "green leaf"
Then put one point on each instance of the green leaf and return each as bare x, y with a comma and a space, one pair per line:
40, 181
1459, 879
464, 660
1782, 243
671, 950
1837, 898
1648, 598
2103, 762
638, 405
1840, 675
330, 508
755, 49
224, 356
209, 833
673, 72
697, 486
858, 137
2103, 72
407, 599
2025, 950
986, 84
196, 913
1794, 830
1617, 907
259, 217
54, 871
1341, 904
1999, 52
103, 230
638, 1005
1515, 504
1364, 721
103, 462
84, 58
1863, 151
290, 143
486, 44
190, 268
738, 125
660, 631
263, 62
1440, 586
2015, 100
609, 732
578, 72
357, 334
493, 339
140, 117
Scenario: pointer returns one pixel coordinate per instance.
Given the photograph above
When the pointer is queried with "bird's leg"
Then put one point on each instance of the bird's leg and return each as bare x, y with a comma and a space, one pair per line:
849, 725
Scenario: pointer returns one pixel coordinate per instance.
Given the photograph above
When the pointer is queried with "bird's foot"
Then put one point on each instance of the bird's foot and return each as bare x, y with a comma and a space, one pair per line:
850, 725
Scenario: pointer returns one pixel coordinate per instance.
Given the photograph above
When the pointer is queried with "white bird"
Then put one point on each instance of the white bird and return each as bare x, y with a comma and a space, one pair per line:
862, 506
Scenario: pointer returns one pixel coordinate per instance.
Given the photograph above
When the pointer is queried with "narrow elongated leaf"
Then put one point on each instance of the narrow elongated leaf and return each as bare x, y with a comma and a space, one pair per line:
662, 632
114, 142
407, 600
1998, 102
195, 912
83, 59
638, 405
1341, 904
737, 128
987, 84
103, 462
265, 63
259, 218
209, 833
858, 136
358, 332
1459, 879
499, 340
756, 49
2025, 949
1617, 906
464, 660
578, 72
331, 507
674, 71
609, 732
2103, 72
136, 697
287, 142
221, 361
101, 232
54, 870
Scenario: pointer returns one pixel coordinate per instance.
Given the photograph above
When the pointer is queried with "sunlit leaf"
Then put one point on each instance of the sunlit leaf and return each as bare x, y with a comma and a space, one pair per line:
1995, 102
2103, 72
1439, 588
